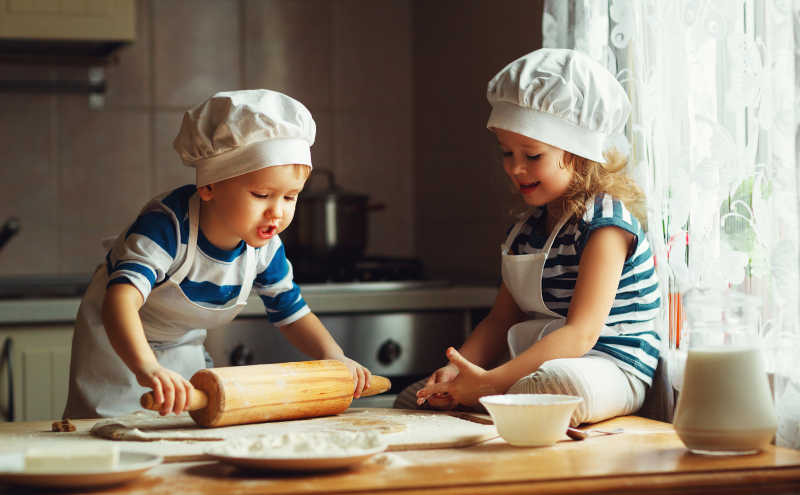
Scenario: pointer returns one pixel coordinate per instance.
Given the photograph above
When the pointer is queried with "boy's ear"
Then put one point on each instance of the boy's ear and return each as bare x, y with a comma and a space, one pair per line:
206, 192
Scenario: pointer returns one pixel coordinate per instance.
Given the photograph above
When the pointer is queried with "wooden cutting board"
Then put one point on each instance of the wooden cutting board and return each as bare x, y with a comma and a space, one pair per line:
177, 438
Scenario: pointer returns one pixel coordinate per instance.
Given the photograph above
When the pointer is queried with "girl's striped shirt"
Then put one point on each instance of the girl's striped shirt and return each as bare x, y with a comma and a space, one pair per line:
629, 337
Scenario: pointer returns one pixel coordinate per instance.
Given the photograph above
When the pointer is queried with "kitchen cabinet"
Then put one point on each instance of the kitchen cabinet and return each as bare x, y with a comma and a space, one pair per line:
39, 366
78, 20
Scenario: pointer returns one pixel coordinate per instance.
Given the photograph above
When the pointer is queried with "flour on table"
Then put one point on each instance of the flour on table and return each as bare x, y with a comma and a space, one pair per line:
178, 438
335, 443
389, 460
149, 426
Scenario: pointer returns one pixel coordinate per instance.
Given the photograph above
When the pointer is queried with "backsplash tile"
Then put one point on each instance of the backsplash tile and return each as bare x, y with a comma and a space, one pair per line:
29, 177
104, 177
196, 46
372, 65
287, 48
372, 157
129, 81
169, 171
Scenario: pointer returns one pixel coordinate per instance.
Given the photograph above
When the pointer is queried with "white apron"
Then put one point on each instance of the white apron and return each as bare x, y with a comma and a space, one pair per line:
100, 382
522, 275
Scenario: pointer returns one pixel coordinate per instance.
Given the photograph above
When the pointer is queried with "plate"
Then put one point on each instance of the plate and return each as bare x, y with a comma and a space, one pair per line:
296, 463
131, 465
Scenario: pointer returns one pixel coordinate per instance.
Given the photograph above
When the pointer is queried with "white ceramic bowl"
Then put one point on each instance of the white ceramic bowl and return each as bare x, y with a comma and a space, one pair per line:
531, 420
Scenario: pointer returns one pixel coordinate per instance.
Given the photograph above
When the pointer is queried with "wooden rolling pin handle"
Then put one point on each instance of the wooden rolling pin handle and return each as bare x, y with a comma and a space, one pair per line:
377, 385
197, 400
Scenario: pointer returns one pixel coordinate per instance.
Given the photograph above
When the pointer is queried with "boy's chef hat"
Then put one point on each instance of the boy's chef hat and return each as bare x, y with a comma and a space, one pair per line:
236, 132
562, 98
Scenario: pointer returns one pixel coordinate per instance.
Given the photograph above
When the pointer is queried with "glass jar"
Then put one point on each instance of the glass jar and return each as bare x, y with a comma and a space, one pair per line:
725, 405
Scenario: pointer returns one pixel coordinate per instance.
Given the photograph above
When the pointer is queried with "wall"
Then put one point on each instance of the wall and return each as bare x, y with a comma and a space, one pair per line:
74, 175
463, 197
397, 88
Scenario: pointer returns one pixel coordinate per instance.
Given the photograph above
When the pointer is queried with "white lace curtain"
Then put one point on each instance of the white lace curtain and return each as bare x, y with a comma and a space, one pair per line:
714, 87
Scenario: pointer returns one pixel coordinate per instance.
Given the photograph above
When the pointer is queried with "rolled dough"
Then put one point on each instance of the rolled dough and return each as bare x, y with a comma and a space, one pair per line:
402, 429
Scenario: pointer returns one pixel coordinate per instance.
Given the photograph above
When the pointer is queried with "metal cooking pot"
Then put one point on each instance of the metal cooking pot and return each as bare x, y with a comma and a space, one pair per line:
330, 224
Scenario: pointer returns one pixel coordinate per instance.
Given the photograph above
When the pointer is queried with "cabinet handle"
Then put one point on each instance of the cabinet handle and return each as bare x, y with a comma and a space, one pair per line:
6, 358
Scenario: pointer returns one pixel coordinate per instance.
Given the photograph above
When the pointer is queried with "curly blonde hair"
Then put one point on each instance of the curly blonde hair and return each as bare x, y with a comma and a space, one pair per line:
591, 178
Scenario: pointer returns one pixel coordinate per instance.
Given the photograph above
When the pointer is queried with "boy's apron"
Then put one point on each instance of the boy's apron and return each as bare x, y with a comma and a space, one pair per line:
100, 382
522, 275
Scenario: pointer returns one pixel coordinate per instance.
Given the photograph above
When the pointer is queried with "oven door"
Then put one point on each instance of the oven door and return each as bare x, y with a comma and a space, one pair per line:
403, 347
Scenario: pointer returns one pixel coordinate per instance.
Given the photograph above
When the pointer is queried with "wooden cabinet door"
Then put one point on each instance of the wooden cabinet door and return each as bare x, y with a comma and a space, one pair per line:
40, 371
68, 19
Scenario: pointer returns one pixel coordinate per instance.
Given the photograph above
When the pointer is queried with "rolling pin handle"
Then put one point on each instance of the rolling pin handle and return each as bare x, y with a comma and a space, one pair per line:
377, 385
197, 400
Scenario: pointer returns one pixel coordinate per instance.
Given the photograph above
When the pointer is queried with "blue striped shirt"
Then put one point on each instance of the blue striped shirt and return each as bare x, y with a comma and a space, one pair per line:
629, 337
155, 245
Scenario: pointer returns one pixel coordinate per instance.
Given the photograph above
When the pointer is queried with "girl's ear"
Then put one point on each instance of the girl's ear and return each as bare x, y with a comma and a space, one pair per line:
206, 192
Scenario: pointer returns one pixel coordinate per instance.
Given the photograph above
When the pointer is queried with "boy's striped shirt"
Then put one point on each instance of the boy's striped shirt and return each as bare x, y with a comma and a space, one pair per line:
155, 245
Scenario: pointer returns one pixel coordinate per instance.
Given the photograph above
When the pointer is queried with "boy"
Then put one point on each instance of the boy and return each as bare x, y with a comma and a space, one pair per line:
189, 260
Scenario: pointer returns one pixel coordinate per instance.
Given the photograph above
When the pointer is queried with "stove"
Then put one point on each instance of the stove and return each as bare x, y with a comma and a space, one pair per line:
366, 269
404, 346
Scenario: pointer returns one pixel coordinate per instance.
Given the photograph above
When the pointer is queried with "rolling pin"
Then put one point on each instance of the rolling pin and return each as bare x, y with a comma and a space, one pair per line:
271, 392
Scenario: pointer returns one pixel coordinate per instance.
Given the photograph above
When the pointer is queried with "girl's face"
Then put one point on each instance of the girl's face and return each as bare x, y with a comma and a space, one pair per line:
536, 168
253, 207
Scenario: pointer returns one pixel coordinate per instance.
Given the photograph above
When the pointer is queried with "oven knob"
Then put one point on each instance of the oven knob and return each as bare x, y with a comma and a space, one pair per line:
241, 355
389, 352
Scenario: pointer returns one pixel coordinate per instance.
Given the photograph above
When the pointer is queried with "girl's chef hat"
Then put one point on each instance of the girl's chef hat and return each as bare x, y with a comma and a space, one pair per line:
236, 132
562, 98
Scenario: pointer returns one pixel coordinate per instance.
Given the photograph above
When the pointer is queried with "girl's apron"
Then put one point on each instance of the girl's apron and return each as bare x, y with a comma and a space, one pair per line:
100, 382
522, 275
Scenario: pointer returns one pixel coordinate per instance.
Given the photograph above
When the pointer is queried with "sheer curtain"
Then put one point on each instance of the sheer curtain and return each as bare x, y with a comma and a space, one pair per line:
712, 141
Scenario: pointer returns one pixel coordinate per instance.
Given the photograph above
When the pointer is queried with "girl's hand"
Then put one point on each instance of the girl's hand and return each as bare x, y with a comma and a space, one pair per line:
170, 389
471, 382
360, 375
441, 400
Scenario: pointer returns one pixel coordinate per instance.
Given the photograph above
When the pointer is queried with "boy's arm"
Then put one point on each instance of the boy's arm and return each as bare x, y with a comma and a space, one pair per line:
123, 326
310, 336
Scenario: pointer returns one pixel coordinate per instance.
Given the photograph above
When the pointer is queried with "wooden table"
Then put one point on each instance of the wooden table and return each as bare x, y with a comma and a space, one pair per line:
647, 457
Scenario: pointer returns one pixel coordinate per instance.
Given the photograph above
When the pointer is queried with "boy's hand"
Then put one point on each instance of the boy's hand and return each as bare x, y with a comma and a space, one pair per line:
360, 375
170, 389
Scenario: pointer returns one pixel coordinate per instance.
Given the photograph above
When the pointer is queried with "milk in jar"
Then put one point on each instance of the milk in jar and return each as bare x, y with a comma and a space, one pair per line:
725, 405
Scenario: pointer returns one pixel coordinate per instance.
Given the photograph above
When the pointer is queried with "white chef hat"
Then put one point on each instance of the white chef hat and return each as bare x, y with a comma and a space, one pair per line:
562, 98
236, 132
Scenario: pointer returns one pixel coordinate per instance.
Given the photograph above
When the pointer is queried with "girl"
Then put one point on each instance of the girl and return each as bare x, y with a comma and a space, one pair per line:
579, 293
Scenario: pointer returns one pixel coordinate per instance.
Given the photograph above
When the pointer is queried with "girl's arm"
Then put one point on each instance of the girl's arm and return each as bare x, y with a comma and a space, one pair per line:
310, 336
123, 326
484, 346
599, 273
488, 341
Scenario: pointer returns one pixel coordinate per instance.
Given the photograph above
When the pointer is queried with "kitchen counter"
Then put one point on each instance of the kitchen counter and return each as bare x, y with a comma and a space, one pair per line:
322, 298
646, 457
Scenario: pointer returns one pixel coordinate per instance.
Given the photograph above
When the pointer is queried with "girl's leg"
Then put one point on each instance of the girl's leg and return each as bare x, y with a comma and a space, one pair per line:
607, 391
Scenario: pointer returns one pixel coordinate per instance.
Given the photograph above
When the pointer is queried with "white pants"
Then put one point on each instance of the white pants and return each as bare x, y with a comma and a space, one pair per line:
607, 391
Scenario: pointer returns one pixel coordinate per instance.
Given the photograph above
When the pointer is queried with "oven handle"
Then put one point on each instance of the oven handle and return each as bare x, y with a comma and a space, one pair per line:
5, 357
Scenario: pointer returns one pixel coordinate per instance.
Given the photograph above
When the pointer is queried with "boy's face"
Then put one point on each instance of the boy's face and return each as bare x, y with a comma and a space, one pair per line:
253, 207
